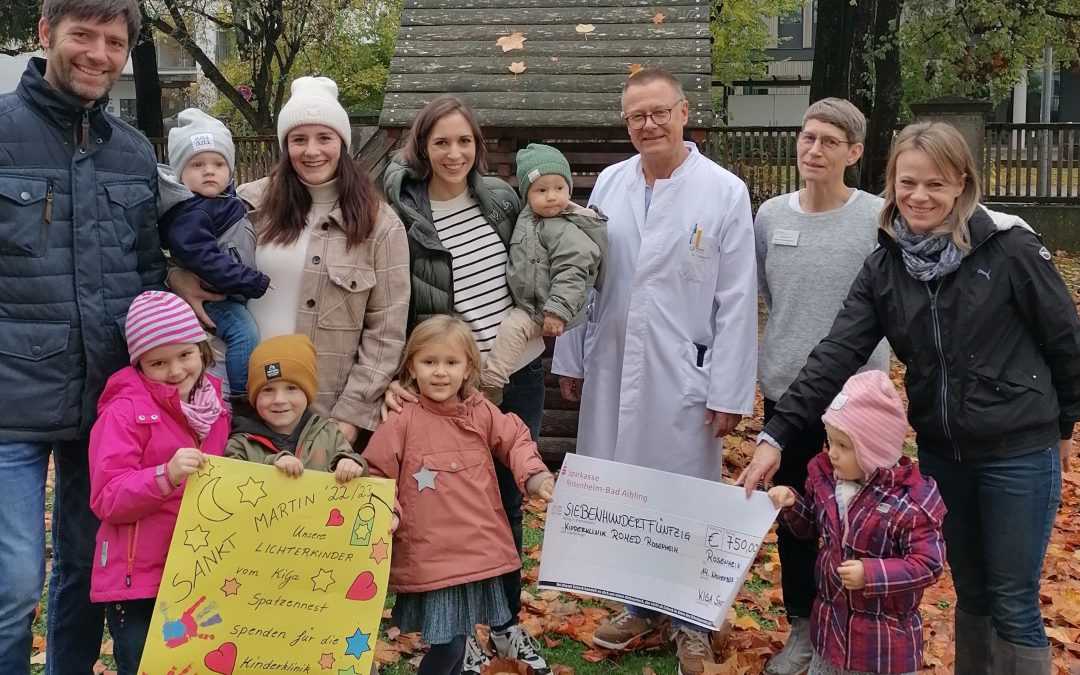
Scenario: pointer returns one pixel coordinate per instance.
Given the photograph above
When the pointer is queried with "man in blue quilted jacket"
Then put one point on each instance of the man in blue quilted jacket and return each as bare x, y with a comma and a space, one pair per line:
78, 241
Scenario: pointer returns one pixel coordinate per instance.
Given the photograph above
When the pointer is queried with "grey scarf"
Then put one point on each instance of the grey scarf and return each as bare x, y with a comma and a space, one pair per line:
926, 256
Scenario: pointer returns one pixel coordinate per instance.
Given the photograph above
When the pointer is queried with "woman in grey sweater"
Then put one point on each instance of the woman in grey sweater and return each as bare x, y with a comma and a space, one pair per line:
810, 246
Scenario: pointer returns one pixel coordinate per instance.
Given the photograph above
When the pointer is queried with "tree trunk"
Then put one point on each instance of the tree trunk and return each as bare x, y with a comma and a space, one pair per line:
888, 93
832, 49
856, 57
147, 82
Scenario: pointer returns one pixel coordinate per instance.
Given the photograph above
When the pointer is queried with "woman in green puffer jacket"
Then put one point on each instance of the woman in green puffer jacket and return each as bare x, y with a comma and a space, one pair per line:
459, 224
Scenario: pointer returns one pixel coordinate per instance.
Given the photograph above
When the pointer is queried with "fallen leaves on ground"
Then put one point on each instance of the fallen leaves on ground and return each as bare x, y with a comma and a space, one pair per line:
516, 67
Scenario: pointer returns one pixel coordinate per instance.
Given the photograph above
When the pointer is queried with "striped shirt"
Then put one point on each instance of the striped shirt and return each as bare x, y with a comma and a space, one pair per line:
481, 295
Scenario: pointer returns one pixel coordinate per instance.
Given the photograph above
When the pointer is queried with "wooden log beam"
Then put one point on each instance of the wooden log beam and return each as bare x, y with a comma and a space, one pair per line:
552, 101
486, 32
551, 5
544, 50
403, 117
503, 16
461, 83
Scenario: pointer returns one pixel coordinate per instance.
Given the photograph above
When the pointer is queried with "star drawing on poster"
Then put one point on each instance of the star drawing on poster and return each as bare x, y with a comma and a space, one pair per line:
196, 537
378, 552
322, 581
348, 671
251, 491
230, 587
206, 469
326, 661
425, 478
358, 644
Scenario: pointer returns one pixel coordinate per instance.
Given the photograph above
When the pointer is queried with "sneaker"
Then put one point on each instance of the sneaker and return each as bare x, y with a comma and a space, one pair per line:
475, 658
516, 644
797, 653
622, 629
693, 649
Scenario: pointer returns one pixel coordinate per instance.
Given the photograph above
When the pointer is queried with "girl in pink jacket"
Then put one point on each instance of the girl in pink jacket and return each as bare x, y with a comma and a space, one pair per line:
454, 540
157, 420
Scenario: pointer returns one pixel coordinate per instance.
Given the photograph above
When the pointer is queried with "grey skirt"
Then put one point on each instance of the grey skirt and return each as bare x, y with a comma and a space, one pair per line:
444, 614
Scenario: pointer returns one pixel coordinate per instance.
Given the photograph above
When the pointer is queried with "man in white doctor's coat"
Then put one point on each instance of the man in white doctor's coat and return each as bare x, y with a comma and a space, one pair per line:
666, 364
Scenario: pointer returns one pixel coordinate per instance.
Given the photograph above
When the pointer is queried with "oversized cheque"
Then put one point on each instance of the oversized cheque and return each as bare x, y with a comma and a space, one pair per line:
677, 544
270, 574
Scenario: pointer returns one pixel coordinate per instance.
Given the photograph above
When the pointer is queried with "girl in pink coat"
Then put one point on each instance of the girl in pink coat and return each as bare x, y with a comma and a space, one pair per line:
157, 421
454, 541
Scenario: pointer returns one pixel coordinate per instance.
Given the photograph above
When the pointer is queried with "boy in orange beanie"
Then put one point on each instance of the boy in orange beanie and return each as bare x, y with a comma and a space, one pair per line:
282, 383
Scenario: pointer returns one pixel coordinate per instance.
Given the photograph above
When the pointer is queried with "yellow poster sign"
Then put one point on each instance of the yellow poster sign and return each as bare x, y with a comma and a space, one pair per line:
270, 574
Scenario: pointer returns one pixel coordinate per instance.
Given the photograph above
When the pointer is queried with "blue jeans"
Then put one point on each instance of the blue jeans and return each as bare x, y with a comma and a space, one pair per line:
129, 622
1000, 515
523, 396
238, 331
74, 624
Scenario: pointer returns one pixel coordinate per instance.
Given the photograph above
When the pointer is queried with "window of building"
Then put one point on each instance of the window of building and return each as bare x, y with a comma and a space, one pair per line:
174, 99
790, 30
128, 110
225, 47
171, 56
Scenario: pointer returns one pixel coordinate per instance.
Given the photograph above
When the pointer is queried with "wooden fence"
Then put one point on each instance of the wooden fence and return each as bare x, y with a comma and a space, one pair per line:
765, 158
1032, 163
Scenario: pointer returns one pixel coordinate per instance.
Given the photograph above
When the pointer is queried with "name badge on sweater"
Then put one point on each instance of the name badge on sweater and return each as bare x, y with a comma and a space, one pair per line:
786, 238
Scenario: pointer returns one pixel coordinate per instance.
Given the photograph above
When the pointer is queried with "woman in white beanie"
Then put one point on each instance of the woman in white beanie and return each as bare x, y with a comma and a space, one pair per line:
336, 252
459, 225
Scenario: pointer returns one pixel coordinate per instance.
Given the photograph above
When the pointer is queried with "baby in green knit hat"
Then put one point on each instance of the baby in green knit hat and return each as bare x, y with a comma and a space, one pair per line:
556, 252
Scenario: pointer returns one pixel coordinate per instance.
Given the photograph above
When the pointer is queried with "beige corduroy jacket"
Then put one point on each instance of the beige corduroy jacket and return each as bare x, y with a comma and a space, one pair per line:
353, 305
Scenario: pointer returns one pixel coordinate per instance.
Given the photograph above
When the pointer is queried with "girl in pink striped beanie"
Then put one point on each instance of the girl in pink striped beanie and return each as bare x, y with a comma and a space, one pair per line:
158, 420
880, 521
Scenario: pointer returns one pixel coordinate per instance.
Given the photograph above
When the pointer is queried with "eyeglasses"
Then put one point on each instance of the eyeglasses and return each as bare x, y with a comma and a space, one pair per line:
659, 117
807, 140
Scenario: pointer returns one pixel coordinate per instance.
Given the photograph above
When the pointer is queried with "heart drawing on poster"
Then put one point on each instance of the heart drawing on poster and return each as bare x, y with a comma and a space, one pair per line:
363, 587
335, 519
222, 660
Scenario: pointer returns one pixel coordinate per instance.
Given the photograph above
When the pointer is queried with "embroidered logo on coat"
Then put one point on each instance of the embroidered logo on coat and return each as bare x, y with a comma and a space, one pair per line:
985, 273
1044, 253
273, 370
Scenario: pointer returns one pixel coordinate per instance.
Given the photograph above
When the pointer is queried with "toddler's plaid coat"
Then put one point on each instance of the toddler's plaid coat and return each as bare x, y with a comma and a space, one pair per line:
893, 525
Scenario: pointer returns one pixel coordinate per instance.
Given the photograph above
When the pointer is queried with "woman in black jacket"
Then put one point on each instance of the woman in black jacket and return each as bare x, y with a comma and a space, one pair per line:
972, 304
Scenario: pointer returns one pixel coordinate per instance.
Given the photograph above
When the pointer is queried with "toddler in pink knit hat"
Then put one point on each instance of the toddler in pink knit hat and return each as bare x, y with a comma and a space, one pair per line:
880, 523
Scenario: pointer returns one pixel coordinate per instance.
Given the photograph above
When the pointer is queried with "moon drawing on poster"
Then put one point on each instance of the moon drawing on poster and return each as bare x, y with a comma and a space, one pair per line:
209, 507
